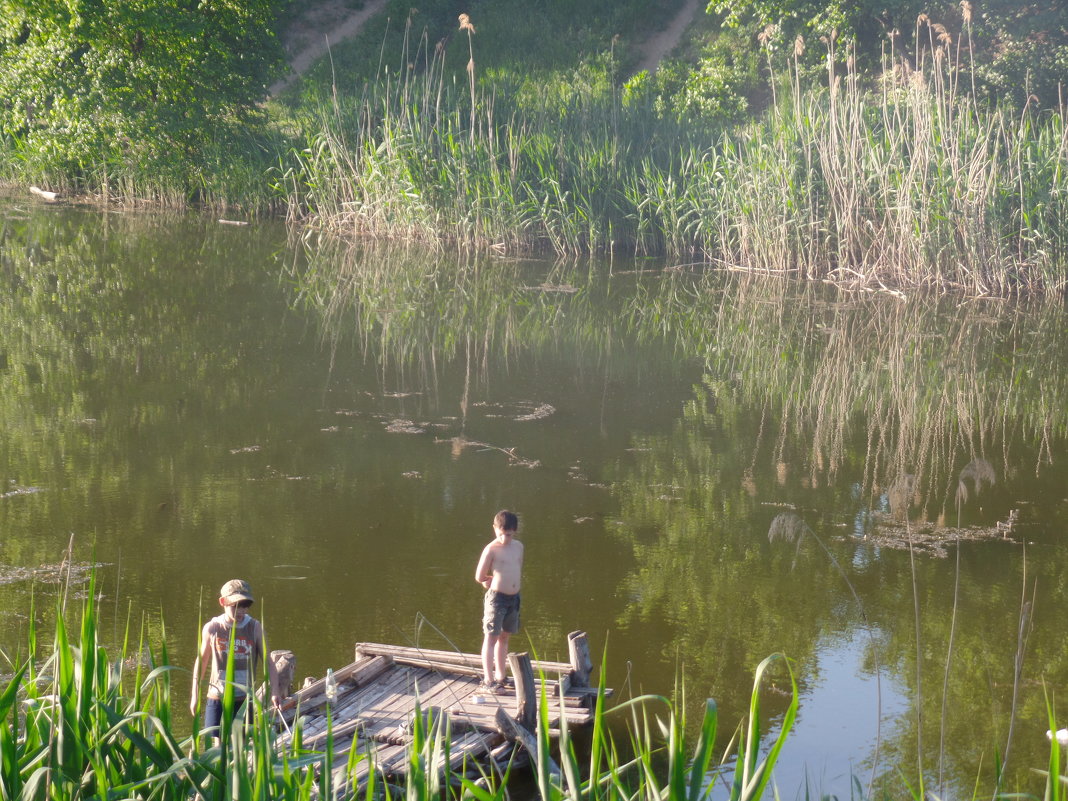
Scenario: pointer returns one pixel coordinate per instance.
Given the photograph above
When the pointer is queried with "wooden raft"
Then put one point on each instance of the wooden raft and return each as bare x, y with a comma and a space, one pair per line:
377, 695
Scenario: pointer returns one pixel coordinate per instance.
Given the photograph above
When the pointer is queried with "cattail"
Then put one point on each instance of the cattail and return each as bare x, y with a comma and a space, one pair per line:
799, 46
766, 35
920, 20
465, 23
966, 11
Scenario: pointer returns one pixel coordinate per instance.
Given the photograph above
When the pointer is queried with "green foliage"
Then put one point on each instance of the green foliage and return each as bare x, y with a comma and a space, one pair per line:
1018, 49
864, 19
99, 91
717, 84
1022, 51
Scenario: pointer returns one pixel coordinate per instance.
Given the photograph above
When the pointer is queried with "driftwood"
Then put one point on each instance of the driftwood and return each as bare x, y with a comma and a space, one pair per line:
51, 197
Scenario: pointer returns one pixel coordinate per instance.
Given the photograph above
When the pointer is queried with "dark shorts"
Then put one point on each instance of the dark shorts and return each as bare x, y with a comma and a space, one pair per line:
213, 714
500, 612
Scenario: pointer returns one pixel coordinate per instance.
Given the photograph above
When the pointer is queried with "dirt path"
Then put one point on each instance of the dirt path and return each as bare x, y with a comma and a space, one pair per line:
326, 23
320, 26
657, 46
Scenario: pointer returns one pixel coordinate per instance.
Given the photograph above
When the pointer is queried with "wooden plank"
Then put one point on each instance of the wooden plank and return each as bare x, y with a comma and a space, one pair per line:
473, 745
395, 710
364, 700
580, 690
444, 694
359, 673
340, 730
403, 694
479, 716
317, 702
447, 659
391, 759
317, 687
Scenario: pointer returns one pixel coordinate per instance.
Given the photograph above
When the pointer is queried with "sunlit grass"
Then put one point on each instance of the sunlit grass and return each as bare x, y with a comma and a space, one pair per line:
909, 181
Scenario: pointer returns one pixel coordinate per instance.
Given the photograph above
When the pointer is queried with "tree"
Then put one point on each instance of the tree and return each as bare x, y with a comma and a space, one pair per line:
1017, 49
85, 83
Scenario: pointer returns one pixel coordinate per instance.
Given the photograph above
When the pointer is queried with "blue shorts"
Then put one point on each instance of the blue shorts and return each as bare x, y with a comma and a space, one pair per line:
213, 714
500, 613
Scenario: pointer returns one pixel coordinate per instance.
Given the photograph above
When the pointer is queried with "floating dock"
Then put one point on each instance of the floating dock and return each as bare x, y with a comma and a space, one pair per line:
372, 705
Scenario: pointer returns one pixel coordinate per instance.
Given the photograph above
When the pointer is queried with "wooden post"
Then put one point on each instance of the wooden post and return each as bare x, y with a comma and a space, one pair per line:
578, 647
285, 666
525, 689
511, 729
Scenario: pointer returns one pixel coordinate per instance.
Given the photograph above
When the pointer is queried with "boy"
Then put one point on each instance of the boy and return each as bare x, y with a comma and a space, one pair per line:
235, 598
499, 571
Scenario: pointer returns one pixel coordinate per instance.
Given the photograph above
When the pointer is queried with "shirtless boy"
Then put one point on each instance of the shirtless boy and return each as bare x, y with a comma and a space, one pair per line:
499, 570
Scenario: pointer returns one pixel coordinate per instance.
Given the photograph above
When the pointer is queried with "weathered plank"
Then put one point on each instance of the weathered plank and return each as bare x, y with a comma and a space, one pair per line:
351, 677
380, 692
448, 659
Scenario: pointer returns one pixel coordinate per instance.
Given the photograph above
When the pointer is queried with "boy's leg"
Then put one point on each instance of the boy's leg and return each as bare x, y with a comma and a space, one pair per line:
489, 643
501, 657
212, 719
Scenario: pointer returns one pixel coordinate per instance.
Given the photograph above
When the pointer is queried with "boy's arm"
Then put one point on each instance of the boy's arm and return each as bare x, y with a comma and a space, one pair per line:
199, 667
484, 571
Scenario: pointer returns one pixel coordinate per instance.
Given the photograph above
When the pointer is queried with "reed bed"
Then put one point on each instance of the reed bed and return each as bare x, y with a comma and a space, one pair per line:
904, 181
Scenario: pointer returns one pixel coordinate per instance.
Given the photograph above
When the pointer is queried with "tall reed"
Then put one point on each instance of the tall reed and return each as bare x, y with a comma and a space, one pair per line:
906, 182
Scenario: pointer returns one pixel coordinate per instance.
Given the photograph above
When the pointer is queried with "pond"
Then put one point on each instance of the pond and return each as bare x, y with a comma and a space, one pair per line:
708, 469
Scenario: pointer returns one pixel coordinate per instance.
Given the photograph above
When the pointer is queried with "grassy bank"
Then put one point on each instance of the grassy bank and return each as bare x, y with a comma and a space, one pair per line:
80, 725
907, 181
520, 131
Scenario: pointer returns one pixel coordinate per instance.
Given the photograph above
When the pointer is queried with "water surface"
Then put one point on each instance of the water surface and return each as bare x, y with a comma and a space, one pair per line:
707, 469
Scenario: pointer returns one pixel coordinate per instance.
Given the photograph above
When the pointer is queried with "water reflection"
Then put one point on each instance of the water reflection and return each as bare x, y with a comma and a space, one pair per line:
829, 442
709, 469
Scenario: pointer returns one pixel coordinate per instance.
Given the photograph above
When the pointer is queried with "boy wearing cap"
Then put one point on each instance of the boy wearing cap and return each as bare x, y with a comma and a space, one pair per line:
235, 598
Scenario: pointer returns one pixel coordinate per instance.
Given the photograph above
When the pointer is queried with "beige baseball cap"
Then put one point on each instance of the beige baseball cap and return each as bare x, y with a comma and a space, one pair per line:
236, 590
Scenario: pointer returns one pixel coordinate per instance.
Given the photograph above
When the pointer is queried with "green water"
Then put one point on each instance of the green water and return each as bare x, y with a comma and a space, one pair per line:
707, 469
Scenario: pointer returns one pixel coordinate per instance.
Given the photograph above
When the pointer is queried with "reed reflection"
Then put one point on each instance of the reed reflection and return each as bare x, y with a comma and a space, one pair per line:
829, 434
